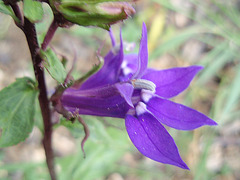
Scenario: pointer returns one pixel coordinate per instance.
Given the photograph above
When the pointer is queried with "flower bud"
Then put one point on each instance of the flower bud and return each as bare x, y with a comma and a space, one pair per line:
115, 8
101, 13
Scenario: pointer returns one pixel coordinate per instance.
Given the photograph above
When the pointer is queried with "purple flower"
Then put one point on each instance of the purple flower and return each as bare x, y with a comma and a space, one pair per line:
126, 88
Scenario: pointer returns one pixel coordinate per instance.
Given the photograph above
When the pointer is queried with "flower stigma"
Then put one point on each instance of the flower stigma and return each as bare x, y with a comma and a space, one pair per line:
141, 108
146, 95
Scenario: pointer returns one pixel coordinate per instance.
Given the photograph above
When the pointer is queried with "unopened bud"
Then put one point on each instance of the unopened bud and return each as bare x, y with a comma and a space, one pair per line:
115, 8
101, 13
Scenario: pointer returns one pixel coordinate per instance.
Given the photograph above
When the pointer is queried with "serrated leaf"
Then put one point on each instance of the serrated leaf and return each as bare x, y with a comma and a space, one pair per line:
17, 111
33, 10
7, 10
54, 65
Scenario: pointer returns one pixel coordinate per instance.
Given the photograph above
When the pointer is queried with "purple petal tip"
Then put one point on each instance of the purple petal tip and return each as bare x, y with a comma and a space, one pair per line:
184, 166
211, 123
199, 67
144, 26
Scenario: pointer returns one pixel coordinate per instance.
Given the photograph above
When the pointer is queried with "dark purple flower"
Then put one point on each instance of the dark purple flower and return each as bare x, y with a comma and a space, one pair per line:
126, 88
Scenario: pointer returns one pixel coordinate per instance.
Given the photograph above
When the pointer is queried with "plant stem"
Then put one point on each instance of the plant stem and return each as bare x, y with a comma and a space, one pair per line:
52, 29
30, 33
18, 14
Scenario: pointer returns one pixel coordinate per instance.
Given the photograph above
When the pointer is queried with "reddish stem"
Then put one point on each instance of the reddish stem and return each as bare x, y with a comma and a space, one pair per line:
31, 36
18, 14
51, 31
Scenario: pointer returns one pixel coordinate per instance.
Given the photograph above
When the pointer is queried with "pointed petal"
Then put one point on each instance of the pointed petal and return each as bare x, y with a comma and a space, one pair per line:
177, 115
109, 73
152, 140
131, 60
142, 54
129, 67
126, 91
171, 82
100, 101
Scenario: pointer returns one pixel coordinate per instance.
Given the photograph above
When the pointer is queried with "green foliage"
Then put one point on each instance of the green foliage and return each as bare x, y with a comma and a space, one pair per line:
38, 119
33, 10
7, 10
27, 170
53, 65
217, 26
16, 120
105, 146
218, 84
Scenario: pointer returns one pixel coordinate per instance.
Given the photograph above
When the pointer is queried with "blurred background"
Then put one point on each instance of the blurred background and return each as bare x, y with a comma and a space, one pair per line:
180, 33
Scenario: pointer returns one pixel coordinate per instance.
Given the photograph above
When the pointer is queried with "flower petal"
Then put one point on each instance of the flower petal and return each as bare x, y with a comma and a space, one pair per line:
110, 71
142, 54
153, 140
129, 67
171, 82
177, 115
100, 101
126, 91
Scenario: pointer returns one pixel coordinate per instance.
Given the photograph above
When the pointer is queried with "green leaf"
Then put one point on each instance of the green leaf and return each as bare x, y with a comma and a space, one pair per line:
7, 10
54, 65
17, 111
33, 10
